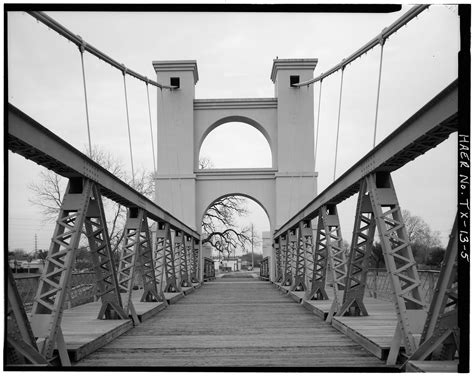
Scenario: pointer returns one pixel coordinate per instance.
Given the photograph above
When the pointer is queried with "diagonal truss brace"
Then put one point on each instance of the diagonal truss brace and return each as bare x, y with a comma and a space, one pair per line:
20, 343
399, 261
99, 244
146, 261
359, 256
136, 256
440, 337
289, 252
195, 261
336, 256
183, 244
320, 261
305, 239
164, 258
278, 261
129, 260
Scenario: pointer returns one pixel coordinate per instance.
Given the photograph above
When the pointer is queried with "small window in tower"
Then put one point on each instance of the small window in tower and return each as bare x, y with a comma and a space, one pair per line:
174, 81
294, 80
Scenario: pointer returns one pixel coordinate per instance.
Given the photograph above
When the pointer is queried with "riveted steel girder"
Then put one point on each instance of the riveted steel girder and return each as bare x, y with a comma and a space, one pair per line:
426, 129
30, 139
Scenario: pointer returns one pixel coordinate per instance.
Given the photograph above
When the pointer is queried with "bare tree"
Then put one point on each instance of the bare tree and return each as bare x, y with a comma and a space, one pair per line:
48, 193
419, 232
219, 222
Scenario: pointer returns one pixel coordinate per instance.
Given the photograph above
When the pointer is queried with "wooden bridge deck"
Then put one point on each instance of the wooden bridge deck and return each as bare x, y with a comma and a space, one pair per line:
234, 322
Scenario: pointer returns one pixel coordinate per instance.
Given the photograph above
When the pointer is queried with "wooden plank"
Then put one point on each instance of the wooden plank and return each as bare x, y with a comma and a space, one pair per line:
173, 297
84, 333
434, 366
187, 290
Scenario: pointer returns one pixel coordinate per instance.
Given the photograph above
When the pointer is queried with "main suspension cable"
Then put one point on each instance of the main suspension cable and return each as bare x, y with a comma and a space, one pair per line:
66, 33
128, 126
81, 49
338, 123
387, 32
151, 127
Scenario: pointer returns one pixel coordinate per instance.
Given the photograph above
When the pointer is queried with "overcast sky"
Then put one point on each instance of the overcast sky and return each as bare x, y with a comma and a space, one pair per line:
234, 54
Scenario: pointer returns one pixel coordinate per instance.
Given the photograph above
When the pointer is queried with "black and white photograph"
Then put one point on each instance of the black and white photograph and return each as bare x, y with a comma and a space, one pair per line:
236, 187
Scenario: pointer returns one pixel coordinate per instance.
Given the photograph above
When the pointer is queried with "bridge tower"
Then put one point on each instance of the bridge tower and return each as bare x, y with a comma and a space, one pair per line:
286, 120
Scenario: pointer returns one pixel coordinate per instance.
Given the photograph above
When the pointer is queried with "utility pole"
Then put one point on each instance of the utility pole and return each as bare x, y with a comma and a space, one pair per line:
36, 244
252, 245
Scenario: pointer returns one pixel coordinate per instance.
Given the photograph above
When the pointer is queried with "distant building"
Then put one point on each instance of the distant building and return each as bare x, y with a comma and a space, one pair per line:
36, 266
229, 264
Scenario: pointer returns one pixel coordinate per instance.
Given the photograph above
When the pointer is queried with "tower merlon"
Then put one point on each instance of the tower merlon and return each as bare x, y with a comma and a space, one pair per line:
292, 64
177, 66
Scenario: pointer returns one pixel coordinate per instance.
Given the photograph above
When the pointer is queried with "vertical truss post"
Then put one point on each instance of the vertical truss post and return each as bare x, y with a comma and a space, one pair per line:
305, 236
185, 252
400, 263
49, 302
195, 262
101, 251
20, 342
290, 246
440, 337
320, 261
278, 261
165, 248
336, 257
359, 256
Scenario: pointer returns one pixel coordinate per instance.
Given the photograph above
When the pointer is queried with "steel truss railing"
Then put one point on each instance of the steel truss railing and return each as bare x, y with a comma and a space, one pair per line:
82, 212
377, 210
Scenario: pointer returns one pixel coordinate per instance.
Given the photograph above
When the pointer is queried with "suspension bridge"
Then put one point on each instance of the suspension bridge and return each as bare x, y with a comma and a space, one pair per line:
162, 304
